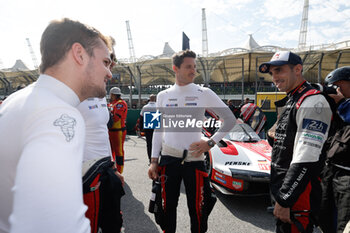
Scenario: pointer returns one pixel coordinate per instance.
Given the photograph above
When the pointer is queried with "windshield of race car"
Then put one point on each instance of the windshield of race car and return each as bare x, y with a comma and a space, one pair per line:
242, 133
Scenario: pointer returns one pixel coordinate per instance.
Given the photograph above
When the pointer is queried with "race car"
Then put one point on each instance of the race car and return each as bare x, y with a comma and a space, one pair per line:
240, 162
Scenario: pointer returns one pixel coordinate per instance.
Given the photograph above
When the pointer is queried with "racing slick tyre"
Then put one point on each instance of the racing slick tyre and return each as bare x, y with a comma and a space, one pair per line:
207, 164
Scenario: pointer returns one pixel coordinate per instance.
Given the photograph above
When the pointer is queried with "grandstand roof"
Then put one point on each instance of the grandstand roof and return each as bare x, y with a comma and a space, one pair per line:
167, 51
231, 67
251, 44
227, 68
19, 65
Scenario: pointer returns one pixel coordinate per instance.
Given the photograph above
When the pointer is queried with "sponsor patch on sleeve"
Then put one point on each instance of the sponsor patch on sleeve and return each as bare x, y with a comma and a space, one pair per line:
315, 125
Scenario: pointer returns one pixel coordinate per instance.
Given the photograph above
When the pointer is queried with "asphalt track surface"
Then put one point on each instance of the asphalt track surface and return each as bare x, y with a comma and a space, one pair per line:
230, 214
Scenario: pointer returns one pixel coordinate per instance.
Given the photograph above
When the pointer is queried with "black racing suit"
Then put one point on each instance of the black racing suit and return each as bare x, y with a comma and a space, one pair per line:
102, 191
296, 156
200, 198
335, 206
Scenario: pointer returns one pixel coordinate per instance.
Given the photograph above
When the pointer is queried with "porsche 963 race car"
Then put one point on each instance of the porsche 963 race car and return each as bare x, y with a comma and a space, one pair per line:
240, 162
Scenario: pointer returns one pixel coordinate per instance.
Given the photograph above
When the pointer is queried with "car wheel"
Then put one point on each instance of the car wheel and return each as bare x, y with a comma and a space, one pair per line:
207, 164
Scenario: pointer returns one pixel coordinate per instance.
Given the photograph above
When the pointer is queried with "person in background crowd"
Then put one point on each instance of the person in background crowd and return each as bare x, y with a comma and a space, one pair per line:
42, 150
335, 207
181, 149
297, 157
233, 108
246, 101
150, 107
341, 79
254, 116
117, 132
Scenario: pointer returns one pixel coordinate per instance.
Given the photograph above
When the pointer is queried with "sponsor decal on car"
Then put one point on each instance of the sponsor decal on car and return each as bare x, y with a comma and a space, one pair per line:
238, 185
262, 148
219, 175
219, 179
264, 165
241, 163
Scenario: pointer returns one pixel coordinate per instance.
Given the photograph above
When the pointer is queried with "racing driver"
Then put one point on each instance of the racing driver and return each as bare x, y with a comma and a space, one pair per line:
182, 148
297, 157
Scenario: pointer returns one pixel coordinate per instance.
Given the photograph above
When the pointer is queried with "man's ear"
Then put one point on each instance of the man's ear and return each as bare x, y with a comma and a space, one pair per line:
298, 68
78, 53
175, 68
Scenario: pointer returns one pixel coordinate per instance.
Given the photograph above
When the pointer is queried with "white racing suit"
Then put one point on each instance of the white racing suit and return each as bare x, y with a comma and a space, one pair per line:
182, 110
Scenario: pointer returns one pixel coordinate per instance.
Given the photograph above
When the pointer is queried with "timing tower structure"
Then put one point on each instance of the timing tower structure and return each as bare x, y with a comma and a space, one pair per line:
204, 35
303, 26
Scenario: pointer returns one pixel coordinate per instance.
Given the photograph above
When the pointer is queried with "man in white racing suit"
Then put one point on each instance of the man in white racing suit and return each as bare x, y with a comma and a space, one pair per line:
180, 145
42, 133
97, 151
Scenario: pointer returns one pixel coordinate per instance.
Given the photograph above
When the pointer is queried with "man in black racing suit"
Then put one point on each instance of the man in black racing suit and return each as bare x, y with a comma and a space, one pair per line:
301, 131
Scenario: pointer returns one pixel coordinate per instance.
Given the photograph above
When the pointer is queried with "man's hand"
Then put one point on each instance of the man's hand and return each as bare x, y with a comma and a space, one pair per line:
153, 169
121, 177
282, 213
198, 148
339, 96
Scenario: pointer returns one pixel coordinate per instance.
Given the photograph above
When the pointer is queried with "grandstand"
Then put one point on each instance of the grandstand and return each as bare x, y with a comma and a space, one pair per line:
229, 72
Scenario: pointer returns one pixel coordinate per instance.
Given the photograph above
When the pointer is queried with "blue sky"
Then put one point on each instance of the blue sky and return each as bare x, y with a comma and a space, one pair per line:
155, 22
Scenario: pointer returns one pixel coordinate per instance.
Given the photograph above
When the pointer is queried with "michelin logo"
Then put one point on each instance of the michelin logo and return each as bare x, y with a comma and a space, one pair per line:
151, 120
67, 124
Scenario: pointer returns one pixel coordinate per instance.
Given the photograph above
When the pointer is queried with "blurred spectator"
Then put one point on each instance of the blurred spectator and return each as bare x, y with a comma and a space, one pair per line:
150, 107
117, 132
335, 208
254, 116
233, 108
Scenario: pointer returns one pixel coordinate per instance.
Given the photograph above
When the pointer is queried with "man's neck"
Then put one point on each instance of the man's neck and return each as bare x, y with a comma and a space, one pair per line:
296, 87
182, 84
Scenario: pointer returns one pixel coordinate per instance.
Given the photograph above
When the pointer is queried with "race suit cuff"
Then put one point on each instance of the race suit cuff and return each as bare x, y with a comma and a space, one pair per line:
281, 202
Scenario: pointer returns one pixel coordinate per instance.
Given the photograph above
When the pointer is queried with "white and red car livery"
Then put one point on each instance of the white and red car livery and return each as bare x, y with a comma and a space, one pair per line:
240, 162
